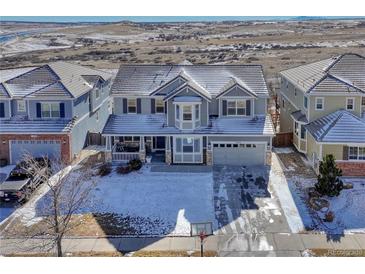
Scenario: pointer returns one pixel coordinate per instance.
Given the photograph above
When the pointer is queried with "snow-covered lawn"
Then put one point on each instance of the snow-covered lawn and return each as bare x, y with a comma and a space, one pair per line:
348, 207
156, 203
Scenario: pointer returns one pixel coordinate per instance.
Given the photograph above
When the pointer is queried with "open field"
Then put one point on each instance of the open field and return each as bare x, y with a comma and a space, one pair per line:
276, 45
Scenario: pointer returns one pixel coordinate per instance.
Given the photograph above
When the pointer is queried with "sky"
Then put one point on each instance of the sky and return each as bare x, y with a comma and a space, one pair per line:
77, 19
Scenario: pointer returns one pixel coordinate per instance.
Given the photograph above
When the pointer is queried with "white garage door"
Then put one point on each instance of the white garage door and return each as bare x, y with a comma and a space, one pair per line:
238, 154
19, 148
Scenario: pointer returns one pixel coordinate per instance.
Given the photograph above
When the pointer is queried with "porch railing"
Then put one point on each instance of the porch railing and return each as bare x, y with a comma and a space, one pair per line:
124, 156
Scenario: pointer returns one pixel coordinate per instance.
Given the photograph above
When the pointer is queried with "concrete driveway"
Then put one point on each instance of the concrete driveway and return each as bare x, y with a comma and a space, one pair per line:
245, 203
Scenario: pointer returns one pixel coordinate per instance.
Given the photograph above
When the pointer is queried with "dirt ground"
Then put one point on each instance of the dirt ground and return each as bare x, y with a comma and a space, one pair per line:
276, 46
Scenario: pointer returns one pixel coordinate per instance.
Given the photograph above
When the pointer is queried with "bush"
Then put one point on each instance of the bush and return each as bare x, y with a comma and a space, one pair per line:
329, 182
124, 169
135, 164
105, 169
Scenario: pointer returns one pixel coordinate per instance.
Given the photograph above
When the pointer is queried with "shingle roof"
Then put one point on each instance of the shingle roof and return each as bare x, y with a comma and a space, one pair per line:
299, 116
338, 127
142, 80
144, 124
36, 126
55, 79
339, 74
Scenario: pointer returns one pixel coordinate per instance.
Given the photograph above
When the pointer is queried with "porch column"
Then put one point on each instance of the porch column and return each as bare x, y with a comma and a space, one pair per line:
168, 155
209, 158
108, 149
142, 149
269, 152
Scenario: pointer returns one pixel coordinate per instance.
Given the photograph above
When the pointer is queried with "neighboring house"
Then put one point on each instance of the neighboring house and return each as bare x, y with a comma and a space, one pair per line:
200, 114
49, 110
323, 104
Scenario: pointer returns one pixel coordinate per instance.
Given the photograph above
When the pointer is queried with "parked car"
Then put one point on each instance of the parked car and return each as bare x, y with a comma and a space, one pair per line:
21, 182
22, 168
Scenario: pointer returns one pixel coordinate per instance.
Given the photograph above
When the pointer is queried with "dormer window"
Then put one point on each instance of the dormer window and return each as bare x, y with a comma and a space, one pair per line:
132, 105
236, 107
160, 106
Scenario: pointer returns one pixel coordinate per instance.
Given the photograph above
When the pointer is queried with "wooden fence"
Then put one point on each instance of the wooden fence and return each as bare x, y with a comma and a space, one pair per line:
283, 139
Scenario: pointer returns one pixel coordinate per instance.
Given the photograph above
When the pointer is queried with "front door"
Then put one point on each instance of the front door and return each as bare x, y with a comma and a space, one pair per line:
159, 143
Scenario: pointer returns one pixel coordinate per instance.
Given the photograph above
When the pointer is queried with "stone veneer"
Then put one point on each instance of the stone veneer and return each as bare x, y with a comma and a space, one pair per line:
268, 157
168, 159
209, 158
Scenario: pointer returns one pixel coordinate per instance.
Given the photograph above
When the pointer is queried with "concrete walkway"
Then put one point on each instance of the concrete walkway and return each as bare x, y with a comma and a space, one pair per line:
268, 244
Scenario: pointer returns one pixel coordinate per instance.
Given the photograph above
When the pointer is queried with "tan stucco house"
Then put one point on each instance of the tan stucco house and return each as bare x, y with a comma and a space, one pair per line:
323, 105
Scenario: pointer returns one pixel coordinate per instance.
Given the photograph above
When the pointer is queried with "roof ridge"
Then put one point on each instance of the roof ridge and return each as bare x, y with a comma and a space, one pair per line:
340, 57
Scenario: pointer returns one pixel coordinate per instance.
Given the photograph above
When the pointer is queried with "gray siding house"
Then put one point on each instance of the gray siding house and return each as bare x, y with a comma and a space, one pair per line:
323, 105
196, 114
49, 110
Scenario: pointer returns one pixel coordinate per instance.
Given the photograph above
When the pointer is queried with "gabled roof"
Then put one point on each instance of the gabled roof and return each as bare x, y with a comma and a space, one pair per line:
344, 73
143, 80
236, 82
3, 92
338, 127
55, 79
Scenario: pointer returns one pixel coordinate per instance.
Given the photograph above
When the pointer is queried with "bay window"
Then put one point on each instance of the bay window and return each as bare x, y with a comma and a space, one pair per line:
236, 107
50, 110
302, 132
187, 116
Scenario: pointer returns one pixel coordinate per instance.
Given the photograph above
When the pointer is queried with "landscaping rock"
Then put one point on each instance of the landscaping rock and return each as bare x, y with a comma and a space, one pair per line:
318, 203
348, 186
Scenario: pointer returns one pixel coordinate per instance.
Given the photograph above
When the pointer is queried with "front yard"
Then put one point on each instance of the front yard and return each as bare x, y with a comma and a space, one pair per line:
348, 207
139, 203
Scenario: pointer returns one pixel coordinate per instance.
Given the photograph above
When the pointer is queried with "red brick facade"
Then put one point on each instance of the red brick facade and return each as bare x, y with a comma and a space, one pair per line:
63, 138
352, 168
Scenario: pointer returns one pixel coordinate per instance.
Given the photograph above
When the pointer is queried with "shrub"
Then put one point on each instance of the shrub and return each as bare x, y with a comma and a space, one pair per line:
135, 164
329, 182
105, 169
124, 169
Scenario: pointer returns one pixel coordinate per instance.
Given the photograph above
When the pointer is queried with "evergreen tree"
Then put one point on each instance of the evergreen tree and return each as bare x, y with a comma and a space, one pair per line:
329, 182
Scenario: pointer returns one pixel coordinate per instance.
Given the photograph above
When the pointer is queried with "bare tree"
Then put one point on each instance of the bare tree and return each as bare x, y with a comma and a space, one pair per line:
69, 191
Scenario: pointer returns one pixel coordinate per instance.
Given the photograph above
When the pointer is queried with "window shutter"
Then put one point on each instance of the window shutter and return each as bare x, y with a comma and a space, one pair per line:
138, 105
38, 106
166, 107
62, 110
248, 107
2, 110
224, 107
153, 105
345, 153
125, 105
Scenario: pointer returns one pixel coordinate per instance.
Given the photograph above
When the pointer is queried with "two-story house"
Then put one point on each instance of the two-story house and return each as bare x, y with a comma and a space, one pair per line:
49, 110
196, 114
323, 105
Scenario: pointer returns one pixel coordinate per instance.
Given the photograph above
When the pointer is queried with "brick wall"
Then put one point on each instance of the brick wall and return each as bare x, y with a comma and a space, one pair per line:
352, 168
63, 138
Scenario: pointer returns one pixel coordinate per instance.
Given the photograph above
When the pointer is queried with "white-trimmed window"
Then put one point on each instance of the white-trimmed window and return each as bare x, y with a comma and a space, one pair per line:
187, 116
21, 106
50, 110
302, 132
319, 103
236, 107
159, 106
305, 102
350, 103
132, 105
97, 93
296, 128
188, 150
187, 113
356, 153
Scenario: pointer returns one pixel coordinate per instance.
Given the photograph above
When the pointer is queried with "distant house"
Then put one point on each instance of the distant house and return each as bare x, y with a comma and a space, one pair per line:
190, 114
49, 110
323, 105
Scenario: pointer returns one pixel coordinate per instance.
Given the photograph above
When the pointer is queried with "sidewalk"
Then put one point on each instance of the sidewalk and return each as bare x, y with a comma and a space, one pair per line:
269, 244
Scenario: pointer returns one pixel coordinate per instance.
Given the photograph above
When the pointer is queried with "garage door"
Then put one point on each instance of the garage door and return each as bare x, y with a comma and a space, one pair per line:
238, 154
48, 148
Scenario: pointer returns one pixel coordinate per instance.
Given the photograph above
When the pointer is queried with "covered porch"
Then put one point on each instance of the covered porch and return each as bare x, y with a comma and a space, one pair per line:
144, 148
